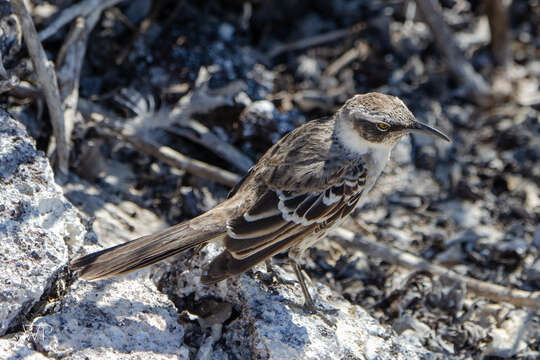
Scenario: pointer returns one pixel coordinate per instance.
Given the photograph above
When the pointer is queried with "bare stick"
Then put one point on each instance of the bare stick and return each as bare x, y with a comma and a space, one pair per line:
69, 62
200, 134
497, 12
47, 81
481, 288
9, 84
163, 153
84, 8
349, 56
314, 40
25, 91
463, 71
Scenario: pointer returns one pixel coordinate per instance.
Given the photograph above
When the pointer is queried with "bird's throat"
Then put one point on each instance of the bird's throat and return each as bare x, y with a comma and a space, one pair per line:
357, 145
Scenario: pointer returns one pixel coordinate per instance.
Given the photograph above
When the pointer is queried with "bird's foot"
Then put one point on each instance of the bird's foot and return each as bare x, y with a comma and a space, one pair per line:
271, 276
314, 310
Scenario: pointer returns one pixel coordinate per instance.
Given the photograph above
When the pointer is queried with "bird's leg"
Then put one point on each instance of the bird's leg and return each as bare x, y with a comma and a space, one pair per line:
309, 305
271, 275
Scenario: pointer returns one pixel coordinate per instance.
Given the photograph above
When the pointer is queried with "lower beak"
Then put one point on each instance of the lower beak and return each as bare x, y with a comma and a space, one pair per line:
419, 127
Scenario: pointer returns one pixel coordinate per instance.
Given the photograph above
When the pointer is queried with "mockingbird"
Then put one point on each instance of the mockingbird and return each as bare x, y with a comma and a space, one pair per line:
304, 185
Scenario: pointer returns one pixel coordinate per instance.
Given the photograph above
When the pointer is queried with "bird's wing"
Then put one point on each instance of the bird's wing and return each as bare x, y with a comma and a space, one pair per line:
308, 182
283, 214
280, 219
303, 185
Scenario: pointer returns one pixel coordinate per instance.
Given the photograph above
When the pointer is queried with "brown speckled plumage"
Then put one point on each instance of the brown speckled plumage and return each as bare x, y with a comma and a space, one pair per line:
305, 184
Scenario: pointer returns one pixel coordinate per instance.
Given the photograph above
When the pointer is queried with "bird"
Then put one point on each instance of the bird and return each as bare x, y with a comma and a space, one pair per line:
303, 186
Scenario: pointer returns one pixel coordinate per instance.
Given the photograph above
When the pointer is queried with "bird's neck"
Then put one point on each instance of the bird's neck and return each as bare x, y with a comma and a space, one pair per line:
375, 155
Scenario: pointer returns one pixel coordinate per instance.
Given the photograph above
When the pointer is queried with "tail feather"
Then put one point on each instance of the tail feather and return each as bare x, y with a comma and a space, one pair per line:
147, 250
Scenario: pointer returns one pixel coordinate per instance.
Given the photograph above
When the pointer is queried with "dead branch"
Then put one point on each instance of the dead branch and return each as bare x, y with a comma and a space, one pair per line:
47, 80
24, 90
497, 13
200, 134
138, 31
359, 51
69, 63
314, 40
202, 99
398, 257
83, 8
463, 71
10, 83
163, 153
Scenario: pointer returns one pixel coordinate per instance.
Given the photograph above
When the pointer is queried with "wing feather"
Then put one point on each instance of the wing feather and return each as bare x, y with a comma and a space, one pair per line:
305, 188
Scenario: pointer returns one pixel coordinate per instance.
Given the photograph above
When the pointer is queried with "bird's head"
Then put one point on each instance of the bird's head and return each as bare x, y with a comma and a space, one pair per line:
379, 119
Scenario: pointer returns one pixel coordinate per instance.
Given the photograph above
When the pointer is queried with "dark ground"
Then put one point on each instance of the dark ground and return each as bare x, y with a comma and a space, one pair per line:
473, 206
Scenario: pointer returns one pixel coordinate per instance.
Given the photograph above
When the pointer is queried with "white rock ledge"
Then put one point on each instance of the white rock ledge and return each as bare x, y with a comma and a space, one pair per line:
128, 318
35, 224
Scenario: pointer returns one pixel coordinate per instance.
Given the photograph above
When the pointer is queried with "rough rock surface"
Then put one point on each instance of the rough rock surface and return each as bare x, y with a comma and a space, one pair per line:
115, 220
36, 224
269, 324
18, 349
124, 318
250, 316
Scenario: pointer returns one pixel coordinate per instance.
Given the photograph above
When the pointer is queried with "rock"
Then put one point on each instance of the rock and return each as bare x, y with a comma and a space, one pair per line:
308, 68
128, 317
451, 256
37, 225
268, 326
137, 10
18, 349
262, 120
532, 272
226, 32
508, 340
464, 213
536, 238
125, 318
114, 220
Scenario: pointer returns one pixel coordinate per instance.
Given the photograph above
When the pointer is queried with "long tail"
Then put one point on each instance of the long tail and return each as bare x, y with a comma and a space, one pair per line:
147, 250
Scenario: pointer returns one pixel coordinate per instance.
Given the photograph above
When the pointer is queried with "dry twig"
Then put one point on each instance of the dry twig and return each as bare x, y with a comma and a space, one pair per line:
163, 153
84, 8
314, 40
497, 12
410, 261
69, 63
9, 84
200, 134
463, 71
359, 51
47, 81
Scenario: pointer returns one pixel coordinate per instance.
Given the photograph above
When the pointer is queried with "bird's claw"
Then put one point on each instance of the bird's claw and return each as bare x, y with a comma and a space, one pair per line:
311, 309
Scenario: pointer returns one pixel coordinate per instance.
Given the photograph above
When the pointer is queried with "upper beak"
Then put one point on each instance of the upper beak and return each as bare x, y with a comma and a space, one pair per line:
426, 129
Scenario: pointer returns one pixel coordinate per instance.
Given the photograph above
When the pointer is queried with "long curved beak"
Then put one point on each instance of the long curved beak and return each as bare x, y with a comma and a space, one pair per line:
426, 129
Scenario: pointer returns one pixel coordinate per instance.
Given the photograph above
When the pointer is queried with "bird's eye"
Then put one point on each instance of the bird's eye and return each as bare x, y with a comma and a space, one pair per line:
383, 126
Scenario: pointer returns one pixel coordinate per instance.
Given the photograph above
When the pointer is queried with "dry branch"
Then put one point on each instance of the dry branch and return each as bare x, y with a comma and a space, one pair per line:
314, 40
70, 59
463, 71
47, 80
497, 12
83, 8
9, 84
410, 261
360, 51
163, 153
200, 134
